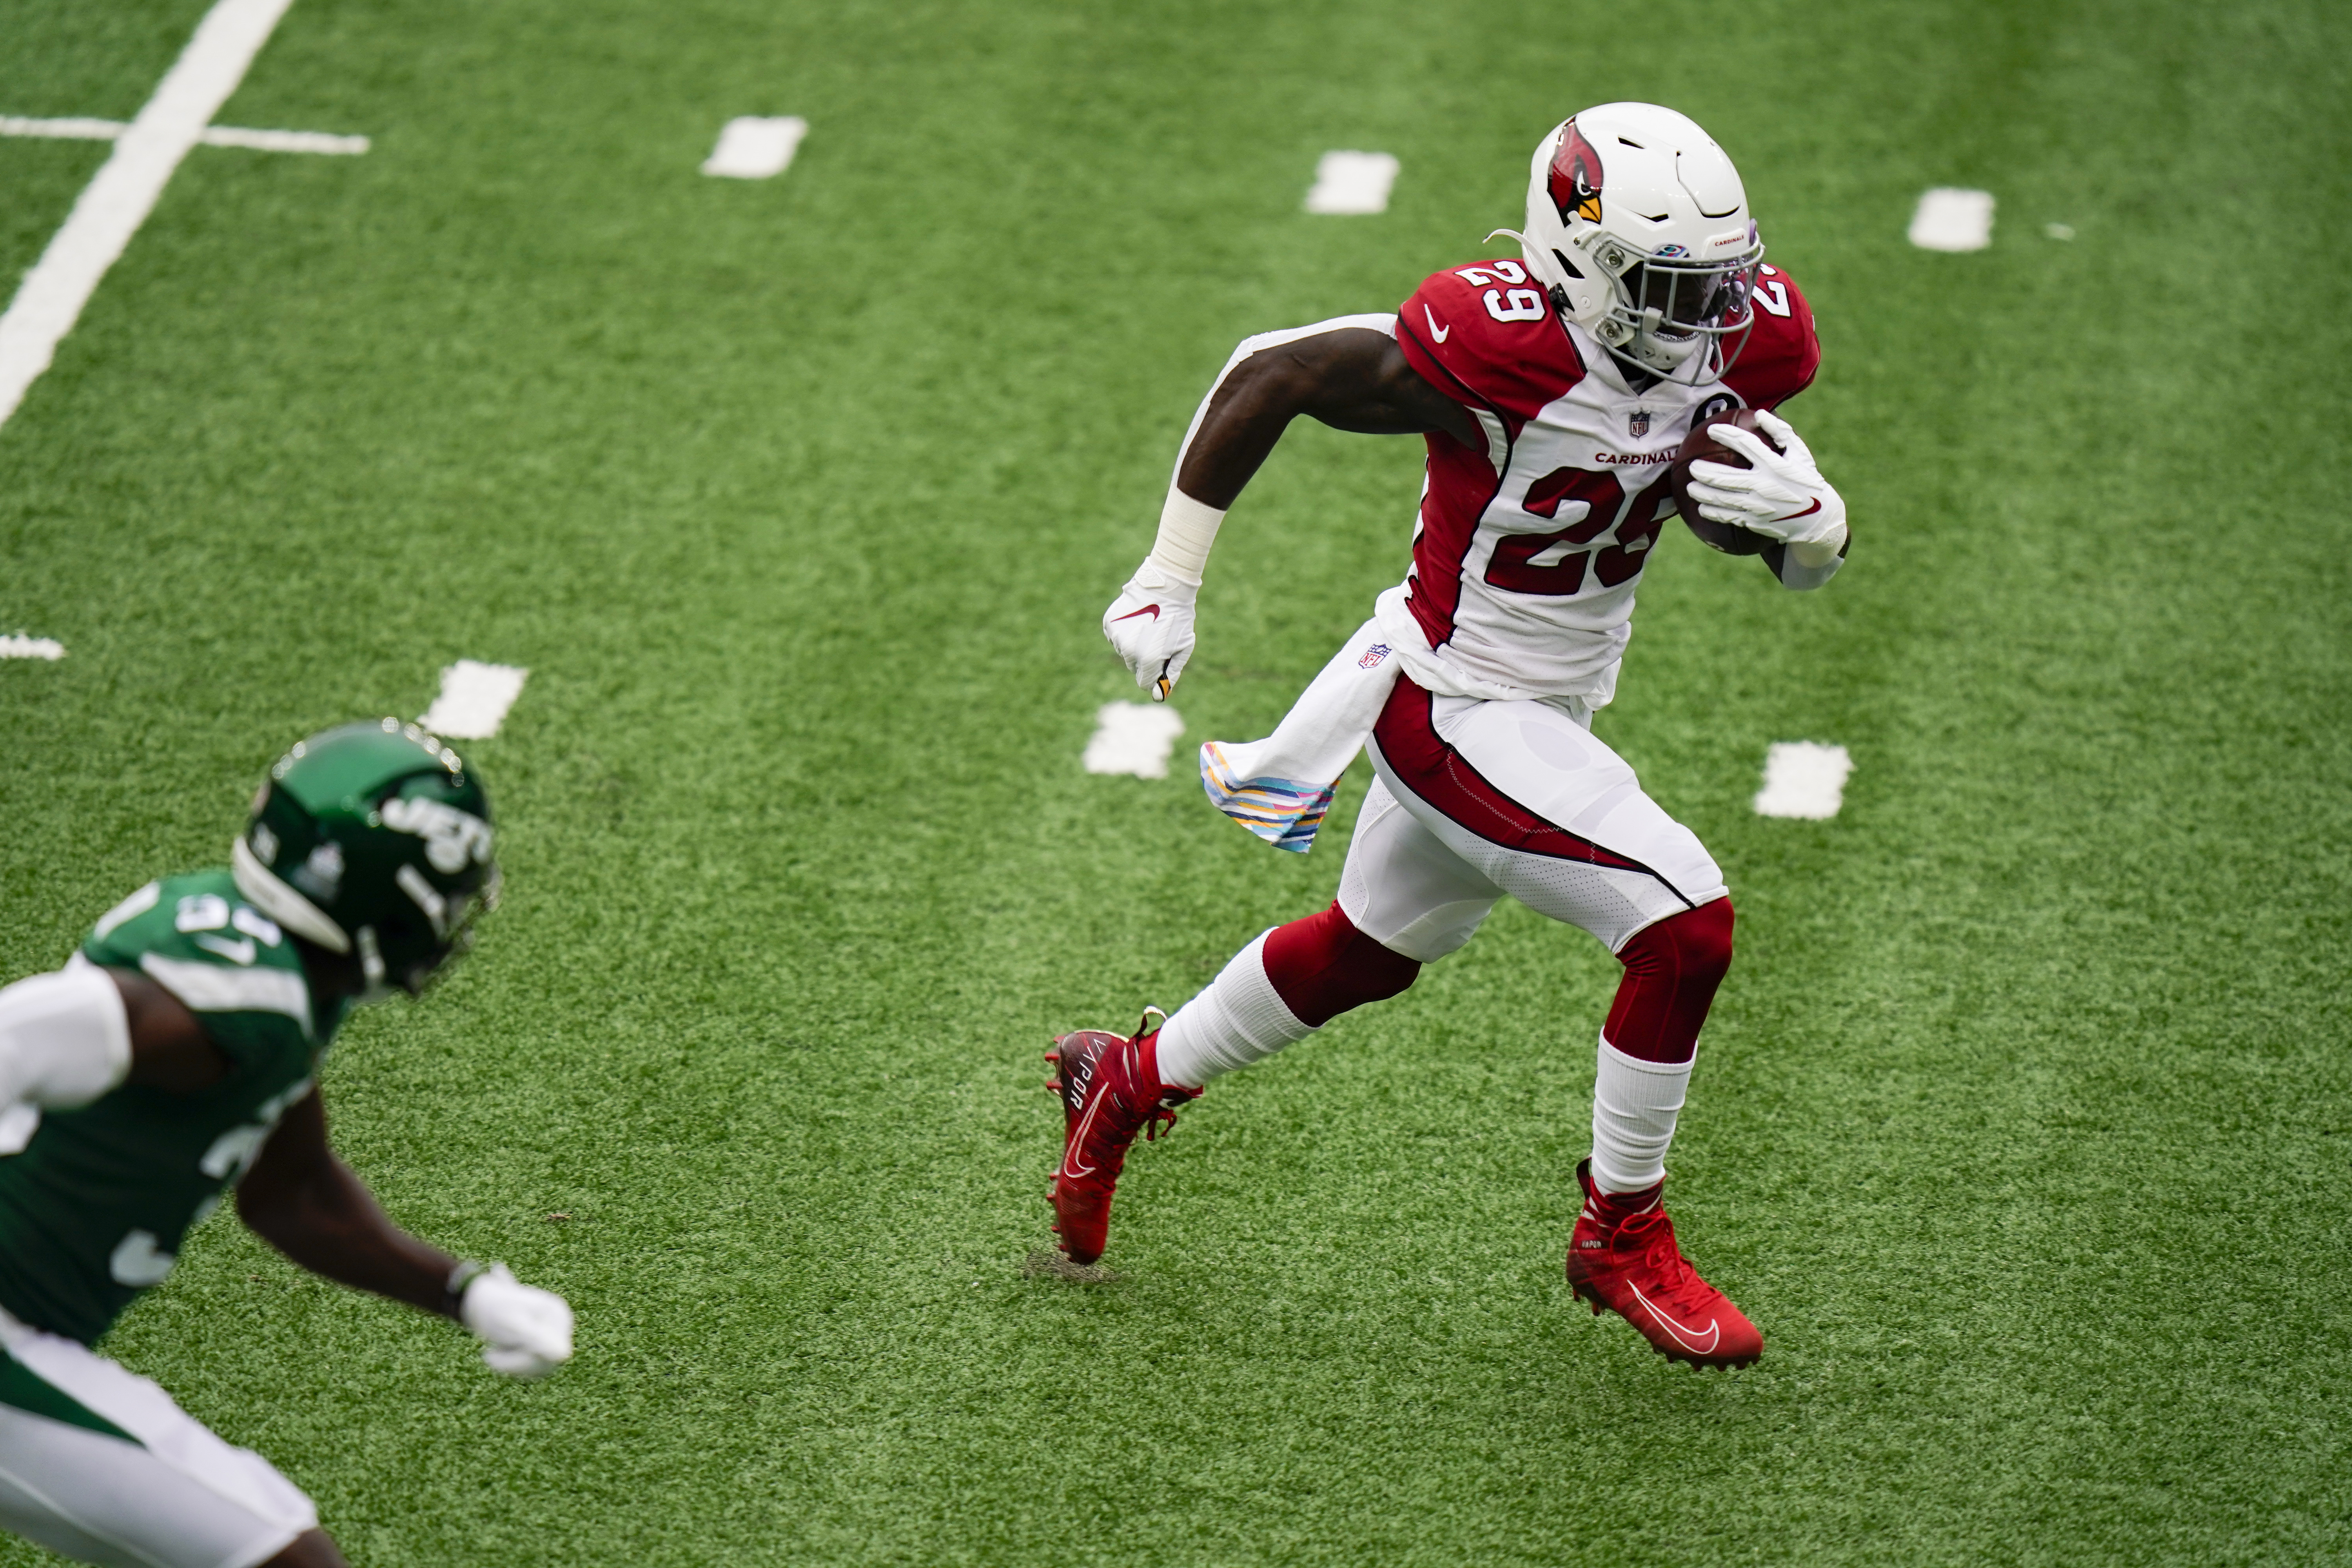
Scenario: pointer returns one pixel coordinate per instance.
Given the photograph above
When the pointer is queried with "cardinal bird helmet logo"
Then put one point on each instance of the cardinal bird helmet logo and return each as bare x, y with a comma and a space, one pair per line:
1576, 177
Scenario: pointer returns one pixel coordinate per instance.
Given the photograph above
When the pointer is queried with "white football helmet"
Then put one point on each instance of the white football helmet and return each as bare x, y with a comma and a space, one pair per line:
1638, 222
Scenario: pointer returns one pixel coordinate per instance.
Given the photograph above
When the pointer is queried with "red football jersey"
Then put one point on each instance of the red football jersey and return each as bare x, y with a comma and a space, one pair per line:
1526, 555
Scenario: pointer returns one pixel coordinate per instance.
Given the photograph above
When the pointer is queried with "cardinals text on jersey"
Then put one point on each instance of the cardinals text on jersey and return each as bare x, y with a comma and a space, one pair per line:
1526, 555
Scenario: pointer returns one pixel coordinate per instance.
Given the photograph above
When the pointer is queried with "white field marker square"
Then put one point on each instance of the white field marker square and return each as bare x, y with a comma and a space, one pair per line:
474, 699
753, 148
1804, 779
1950, 218
1352, 183
1133, 738
22, 647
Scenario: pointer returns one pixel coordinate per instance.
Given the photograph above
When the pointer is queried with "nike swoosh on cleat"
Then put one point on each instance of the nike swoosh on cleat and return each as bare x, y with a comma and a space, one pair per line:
1078, 1137
1714, 1326
1153, 610
1440, 334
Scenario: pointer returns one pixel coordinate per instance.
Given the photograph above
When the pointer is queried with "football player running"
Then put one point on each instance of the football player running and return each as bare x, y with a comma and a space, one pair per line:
174, 1061
1552, 390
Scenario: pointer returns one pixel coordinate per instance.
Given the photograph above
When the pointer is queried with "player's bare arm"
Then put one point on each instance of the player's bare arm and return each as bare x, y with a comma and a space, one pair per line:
169, 1049
1349, 376
299, 1196
305, 1202
1353, 379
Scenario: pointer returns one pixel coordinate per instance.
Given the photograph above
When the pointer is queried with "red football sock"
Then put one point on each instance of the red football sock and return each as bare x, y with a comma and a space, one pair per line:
1322, 965
1672, 969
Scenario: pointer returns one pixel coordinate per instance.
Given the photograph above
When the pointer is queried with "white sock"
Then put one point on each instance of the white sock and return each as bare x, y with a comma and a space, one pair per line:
1634, 1104
1238, 1018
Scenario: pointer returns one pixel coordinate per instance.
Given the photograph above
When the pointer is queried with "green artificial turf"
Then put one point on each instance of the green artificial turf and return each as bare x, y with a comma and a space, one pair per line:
2021, 1125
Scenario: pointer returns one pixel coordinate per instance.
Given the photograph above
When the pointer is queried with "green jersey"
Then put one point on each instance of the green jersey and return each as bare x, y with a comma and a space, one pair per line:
94, 1200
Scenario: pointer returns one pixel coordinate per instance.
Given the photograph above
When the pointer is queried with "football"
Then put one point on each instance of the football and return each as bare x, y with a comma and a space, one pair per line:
1700, 446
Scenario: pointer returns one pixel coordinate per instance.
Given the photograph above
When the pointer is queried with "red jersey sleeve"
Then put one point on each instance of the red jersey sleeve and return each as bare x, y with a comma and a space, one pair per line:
1485, 335
1782, 354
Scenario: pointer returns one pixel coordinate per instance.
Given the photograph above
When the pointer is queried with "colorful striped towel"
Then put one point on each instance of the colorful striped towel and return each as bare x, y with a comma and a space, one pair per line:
1280, 788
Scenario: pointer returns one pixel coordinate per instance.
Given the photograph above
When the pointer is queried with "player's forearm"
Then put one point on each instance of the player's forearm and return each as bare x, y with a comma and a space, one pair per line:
332, 1225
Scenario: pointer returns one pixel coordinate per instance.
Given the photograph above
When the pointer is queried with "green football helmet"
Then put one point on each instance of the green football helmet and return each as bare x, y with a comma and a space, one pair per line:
372, 840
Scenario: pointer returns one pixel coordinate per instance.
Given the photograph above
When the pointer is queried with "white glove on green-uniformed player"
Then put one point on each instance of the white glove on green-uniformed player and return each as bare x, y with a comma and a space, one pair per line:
525, 1331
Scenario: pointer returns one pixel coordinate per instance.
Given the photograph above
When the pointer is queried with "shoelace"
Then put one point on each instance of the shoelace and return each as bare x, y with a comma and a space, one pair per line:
1162, 1115
1163, 1118
1655, 1233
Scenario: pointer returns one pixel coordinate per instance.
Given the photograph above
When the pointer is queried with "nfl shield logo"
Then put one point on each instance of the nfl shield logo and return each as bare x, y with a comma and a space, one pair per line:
1638, 423
1373, 656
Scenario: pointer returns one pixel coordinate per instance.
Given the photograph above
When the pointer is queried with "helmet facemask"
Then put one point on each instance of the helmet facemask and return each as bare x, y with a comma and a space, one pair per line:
1674, 319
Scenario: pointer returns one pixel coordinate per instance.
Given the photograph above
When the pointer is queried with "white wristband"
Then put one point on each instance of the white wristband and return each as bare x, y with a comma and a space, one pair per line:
1187, 529
1820, 551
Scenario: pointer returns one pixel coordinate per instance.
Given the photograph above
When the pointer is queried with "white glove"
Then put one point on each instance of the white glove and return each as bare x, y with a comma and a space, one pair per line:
525, 1331
1782, 496
1151, 625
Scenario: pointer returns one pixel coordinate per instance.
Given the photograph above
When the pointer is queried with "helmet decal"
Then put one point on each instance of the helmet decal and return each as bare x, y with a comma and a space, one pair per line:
452, 838
1576, 177
321, 875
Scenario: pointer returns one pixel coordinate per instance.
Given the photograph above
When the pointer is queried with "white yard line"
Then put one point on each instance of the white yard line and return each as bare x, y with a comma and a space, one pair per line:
32, 648
1950, 218
753, 147
213, 136
65, 129
1352, 183
474, 699
284, 141
1804, 779
119, 198
1133, 738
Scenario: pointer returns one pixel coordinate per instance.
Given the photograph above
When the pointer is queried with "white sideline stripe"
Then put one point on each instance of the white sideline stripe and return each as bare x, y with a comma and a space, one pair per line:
123, 192
753, 147
1804, 779
1352, 183
213, 136
1133, 738
31, 647
474, 699
1950, 218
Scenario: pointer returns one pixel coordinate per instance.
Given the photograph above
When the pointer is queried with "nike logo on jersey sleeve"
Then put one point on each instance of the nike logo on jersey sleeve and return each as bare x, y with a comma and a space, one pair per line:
1440, 334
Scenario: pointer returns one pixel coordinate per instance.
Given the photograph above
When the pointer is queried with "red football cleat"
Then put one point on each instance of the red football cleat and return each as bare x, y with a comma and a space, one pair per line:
1110, 1092
1629, 1263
